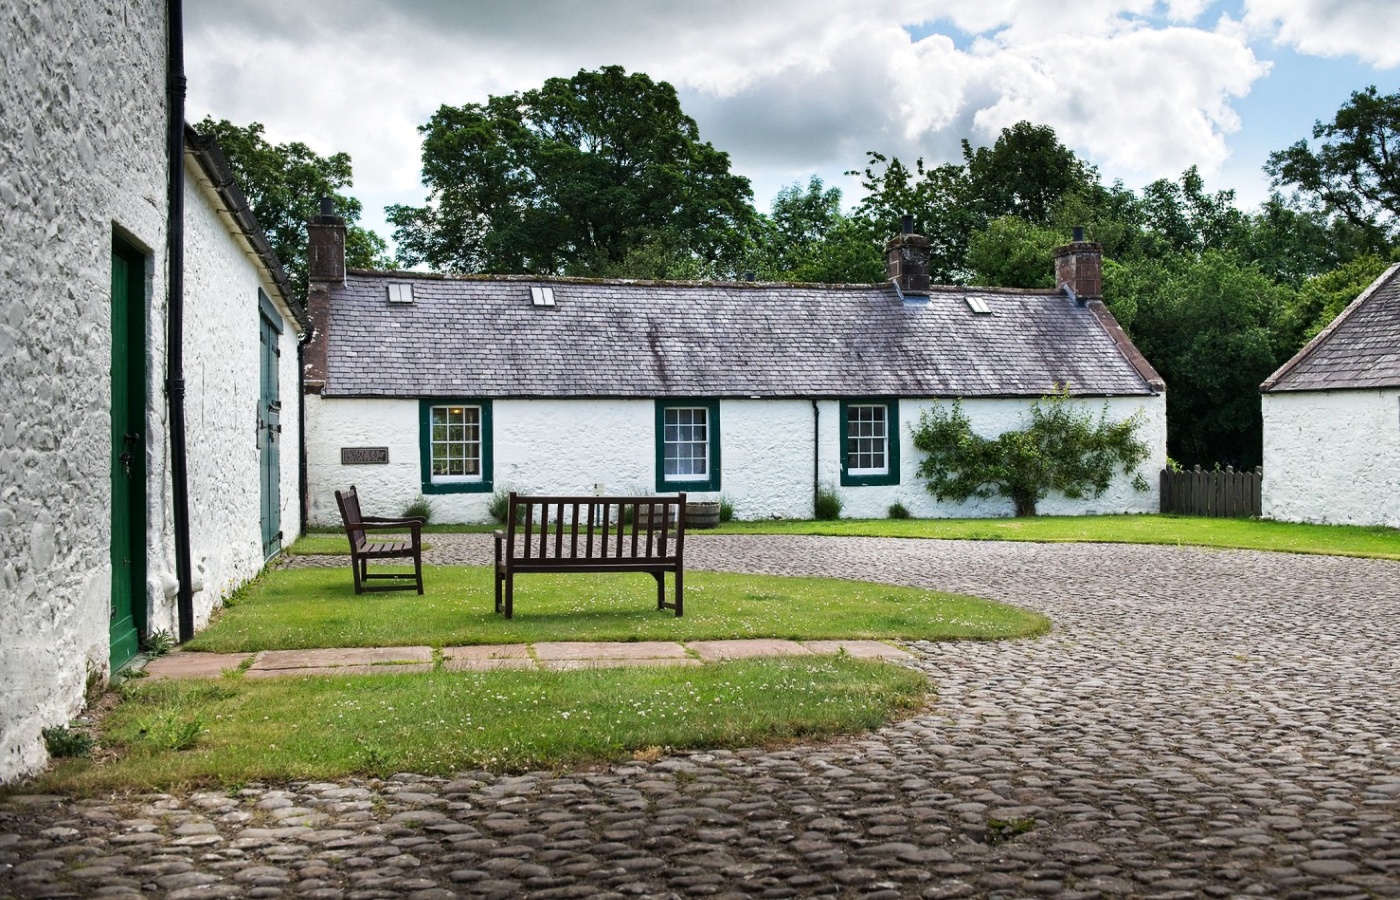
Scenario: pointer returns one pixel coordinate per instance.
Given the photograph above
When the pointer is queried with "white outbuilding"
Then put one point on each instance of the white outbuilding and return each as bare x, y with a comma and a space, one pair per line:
457, 388
1332, 419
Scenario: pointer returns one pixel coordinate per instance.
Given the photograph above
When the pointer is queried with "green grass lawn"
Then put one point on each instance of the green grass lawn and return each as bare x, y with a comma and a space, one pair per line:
306, 608
1243, 534
231, 730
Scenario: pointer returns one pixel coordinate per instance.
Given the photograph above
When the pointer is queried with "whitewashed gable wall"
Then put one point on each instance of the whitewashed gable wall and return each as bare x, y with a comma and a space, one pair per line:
1332, 457
82, 138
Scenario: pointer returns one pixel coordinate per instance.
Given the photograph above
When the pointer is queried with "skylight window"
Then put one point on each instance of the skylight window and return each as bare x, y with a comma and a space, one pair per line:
400, 293
978, 306
542, 296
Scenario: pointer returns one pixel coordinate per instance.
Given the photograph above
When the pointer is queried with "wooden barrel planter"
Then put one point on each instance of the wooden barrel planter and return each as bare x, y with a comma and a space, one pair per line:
702, 514
698, 514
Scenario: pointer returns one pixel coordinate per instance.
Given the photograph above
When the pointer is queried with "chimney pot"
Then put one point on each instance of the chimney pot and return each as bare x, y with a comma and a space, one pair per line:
1078, 233
327, 206
906, 224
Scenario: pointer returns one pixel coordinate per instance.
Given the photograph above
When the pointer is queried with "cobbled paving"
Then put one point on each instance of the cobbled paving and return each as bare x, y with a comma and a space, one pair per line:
1199, 723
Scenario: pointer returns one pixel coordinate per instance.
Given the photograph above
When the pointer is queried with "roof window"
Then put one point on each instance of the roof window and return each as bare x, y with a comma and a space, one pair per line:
400, 293
978, 306
541, 296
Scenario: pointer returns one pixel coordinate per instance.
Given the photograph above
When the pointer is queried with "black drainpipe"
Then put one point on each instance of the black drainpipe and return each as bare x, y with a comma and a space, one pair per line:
301, 429
175, 312
816, 453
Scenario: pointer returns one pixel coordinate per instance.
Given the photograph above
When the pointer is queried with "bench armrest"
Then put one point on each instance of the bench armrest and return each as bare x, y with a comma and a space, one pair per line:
395, 520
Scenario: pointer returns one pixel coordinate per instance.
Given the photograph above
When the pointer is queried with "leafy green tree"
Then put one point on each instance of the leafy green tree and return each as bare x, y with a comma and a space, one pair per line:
1026, 173
1011, 252
284, 184
935, 197
574, 177
1355, 171
1321, 299
807, 238
1208, 324
1063, 449
1184, 218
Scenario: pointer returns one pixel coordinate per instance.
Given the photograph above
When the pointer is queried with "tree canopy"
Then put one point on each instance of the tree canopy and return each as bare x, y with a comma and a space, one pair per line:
284, 184
1355, 172
575, 177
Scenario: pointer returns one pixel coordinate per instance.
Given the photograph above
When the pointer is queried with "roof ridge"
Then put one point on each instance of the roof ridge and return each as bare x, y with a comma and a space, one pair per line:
646, 282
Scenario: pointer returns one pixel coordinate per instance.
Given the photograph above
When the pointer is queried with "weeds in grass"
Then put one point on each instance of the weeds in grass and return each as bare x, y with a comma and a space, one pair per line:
726, 509
63, 743
158, 643
899, 511
828, 504
422, 508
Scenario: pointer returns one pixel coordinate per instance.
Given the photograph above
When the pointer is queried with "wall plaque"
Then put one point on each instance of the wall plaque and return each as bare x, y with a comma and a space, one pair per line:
364, 456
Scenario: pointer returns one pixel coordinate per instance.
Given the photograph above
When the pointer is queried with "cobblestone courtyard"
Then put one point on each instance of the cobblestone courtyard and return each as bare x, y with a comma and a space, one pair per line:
1199, 723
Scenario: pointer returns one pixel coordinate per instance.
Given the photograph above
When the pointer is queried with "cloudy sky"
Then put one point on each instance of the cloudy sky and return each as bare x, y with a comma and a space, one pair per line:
792, 88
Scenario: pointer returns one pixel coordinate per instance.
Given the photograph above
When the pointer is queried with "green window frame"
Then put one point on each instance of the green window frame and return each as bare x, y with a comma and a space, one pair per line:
869, 441
687, 445
455, 446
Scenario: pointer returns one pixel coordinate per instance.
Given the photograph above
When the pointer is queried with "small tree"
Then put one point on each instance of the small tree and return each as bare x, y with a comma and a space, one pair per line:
1063, 449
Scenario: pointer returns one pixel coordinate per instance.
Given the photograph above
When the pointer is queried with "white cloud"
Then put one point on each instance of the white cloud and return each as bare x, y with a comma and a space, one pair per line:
787, 87
1362, 28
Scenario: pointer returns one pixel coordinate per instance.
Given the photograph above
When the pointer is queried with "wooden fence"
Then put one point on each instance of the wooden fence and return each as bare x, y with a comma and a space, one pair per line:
1221, 493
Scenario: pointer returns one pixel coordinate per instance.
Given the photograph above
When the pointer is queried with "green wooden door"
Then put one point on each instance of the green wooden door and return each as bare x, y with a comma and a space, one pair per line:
269, 431
128, 453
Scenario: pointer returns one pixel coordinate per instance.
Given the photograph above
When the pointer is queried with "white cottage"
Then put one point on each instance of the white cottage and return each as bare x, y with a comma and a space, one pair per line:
457, 388
95, 512
1332, 419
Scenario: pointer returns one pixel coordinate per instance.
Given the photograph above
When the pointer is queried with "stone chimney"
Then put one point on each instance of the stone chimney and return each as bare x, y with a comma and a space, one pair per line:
325, 266
325, 258
1079, 267
906, 259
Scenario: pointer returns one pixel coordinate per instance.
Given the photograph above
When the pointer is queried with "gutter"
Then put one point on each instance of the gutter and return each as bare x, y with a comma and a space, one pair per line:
175, 312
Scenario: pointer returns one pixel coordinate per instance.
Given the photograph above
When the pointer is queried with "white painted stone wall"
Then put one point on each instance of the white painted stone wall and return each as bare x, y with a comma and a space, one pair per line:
568, 446
82, 137
222, 378
1332, 457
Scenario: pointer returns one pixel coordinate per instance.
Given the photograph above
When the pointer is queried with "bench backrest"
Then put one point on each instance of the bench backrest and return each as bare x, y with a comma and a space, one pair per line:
577, 528
349, 503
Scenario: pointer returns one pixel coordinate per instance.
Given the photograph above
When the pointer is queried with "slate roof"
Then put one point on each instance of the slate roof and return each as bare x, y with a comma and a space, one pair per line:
480, 336
1360, 350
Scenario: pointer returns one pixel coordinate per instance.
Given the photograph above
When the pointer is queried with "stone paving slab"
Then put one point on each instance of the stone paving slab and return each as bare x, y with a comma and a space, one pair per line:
714, 651
487, 658
372, 669
182, 664
345, 656
614, 650
569, 665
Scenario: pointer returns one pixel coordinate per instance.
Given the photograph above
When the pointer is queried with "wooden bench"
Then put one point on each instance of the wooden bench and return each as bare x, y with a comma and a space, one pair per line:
363, 549
592, 534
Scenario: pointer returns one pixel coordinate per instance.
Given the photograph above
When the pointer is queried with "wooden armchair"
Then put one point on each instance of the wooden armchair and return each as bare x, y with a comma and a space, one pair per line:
363, 549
